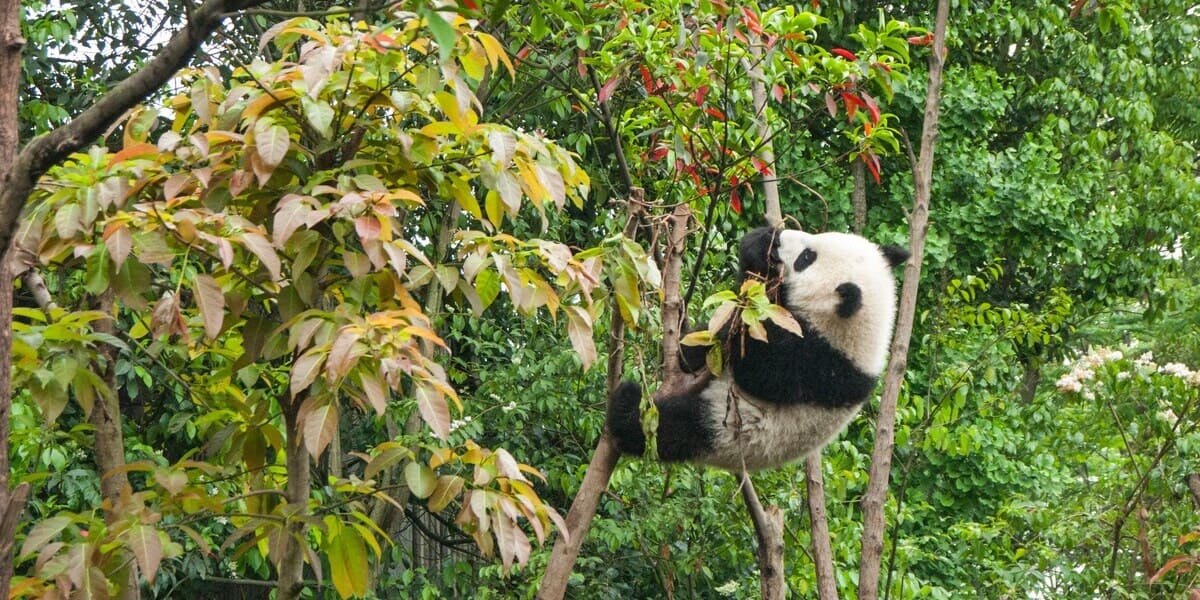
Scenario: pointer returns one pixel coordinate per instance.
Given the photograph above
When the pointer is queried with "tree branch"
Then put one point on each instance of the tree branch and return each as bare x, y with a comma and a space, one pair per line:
881, 456
48, 150
604, 459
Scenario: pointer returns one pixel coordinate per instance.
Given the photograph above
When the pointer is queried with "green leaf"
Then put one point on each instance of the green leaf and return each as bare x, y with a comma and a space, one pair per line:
442, 32
349, 566
487, 285
421, 479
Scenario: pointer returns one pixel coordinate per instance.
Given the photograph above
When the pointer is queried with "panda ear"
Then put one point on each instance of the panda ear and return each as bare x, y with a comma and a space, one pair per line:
895, 255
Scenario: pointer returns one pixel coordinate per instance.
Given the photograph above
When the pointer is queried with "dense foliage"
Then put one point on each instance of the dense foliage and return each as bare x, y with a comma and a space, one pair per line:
361, 269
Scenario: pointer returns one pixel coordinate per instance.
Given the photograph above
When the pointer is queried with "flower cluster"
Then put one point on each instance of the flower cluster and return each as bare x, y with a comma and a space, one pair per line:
1084, 370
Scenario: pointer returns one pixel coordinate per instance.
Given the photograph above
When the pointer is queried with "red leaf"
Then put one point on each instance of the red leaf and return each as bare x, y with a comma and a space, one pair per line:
883, 66
872, 163
657, 153
761, 166
647, 80
701, 94
470, 4
923, 40
606, 90
735, 201
716, 114
844, 53
815, 4
523, 53
872, 106
777, 92
830, 104
580, 66
751, 20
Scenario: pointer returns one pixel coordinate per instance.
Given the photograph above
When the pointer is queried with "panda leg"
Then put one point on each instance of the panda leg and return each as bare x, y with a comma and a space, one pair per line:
683, 428
625, 420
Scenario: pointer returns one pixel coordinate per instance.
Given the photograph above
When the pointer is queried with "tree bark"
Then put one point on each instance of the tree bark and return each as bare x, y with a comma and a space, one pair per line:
822, 549
108, 436
766, 153
768, 525
292, 545
858, 196
604, 459
881, 457
12, 501
1193, 483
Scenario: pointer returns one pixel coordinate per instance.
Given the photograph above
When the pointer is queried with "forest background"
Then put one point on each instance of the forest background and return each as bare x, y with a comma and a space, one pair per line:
331, 306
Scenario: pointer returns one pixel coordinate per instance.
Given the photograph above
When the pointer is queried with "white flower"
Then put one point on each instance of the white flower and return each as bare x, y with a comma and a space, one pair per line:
1068, 383
512, 405
1179, 370
729, 589
1123, 375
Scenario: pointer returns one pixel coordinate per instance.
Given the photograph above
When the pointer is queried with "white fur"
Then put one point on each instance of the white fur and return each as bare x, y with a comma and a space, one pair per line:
755, 435
842, 257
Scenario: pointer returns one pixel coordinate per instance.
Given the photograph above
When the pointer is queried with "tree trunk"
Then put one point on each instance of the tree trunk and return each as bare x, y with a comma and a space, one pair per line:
109, 439
821, 547
292, 545
858, 196
881, 456
768, 525
1193, 483
769, 522
604, 459
12, 502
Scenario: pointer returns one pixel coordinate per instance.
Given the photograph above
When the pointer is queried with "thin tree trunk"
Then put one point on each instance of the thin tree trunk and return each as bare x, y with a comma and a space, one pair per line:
292, 546
109, 439
12, 502
858, 196
768, 525
604, 459
822, 549
766, 153
1143, 536
881, 457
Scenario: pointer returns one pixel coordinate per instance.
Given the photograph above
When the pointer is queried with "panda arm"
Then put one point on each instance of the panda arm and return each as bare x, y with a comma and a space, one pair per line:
693, 359
758, 254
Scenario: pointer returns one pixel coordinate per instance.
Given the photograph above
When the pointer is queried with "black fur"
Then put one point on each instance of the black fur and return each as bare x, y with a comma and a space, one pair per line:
894, 254
851, 300
787, 369
681, 433
758, 254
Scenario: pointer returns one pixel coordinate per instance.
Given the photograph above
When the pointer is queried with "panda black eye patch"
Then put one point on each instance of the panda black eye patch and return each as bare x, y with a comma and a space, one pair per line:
808, 257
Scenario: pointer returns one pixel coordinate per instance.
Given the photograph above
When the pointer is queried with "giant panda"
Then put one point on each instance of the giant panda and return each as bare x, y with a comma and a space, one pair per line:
779, 400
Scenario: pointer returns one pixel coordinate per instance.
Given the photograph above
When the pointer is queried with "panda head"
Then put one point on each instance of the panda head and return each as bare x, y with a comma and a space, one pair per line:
839, 283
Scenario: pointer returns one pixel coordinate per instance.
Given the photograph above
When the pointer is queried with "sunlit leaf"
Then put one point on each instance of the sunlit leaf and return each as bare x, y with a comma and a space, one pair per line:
210, 300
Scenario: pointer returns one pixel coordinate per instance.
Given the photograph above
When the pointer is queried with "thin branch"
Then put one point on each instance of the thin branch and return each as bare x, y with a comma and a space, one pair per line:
873, 500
